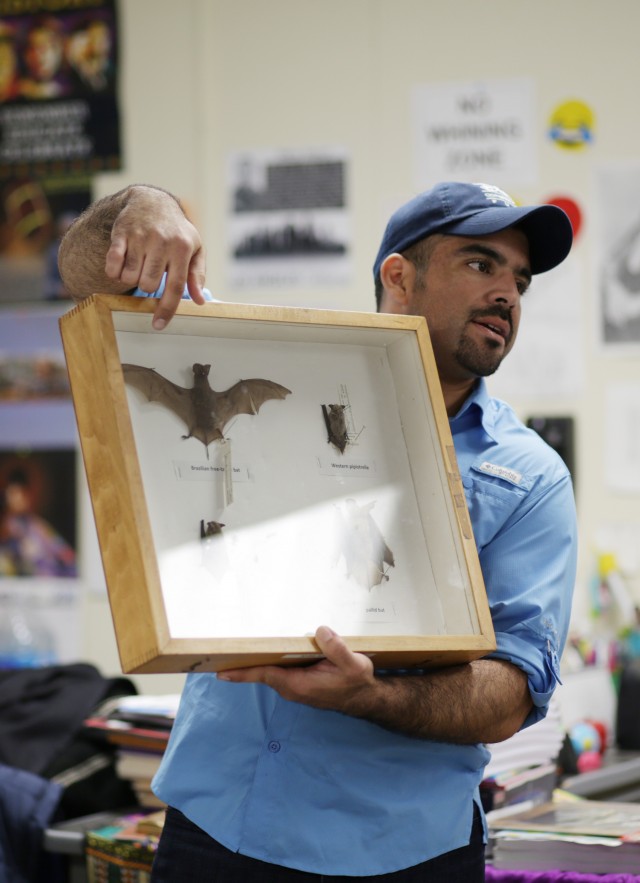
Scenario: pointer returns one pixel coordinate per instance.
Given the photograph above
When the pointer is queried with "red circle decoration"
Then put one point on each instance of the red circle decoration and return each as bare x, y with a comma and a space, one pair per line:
572, 209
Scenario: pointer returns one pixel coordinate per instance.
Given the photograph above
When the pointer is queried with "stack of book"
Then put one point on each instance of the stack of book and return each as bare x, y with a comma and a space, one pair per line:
536, 745
584, 836
123, 848
531, 785
139, 727
139, 767
524, 768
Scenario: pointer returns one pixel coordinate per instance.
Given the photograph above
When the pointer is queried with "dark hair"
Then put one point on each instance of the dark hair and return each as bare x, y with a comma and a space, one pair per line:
18, 476
418, 254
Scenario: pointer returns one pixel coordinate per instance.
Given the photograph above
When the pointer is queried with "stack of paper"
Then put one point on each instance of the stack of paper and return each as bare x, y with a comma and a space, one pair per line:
578, 835
535, 745
139, 727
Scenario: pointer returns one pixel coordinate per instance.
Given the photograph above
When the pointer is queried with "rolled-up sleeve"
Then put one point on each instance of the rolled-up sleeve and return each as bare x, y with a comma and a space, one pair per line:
529, 568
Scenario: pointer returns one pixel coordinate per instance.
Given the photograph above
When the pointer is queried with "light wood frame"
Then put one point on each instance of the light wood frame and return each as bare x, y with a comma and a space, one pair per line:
175, 608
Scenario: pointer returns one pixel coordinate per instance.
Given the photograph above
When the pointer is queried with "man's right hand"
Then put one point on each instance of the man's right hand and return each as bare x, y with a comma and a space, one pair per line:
151, 236
129, 240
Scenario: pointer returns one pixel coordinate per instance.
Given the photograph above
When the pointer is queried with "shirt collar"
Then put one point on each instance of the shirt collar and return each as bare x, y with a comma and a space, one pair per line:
477, 408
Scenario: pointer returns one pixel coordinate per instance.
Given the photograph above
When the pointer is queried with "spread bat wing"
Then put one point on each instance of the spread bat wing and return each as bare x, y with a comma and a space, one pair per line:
205, 411
246, 397
157, 388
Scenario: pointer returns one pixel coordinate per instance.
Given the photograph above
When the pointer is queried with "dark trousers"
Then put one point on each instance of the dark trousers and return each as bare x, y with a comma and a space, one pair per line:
187, 853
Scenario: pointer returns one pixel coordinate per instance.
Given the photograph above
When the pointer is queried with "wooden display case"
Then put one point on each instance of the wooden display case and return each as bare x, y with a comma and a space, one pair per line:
228, 536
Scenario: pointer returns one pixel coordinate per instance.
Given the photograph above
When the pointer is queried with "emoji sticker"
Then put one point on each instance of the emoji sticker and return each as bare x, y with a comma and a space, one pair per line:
572, 125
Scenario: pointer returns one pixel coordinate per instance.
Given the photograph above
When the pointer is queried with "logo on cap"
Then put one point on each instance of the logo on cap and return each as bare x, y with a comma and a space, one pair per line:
494, 194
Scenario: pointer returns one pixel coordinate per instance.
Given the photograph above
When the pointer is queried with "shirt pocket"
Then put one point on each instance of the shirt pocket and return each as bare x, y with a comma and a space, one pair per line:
492, 501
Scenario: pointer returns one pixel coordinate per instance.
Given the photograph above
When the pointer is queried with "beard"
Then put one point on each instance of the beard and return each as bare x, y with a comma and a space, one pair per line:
485, 358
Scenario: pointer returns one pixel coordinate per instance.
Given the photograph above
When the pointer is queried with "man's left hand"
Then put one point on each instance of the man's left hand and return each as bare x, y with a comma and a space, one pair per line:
334, 682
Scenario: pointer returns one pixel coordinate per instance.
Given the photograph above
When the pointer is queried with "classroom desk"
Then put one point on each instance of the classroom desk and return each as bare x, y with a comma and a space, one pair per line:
618, 779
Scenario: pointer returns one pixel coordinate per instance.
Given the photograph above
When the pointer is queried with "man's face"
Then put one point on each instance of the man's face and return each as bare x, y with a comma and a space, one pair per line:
17, 499
43, 53
470, 296
99, 45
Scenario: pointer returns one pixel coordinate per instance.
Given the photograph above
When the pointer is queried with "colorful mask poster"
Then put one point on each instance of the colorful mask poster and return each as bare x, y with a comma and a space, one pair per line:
58, 97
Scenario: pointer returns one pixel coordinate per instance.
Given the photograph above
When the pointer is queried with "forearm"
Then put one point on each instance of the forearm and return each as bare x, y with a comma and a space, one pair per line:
482, 701
82, 253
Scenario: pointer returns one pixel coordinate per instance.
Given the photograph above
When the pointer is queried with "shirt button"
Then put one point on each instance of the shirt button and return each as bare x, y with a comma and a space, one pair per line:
274, 747
467, 482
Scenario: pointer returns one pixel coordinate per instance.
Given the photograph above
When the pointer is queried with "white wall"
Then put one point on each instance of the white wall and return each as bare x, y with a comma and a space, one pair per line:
201, 78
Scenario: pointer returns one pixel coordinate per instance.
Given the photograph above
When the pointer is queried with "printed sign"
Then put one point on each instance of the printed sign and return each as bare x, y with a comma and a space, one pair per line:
471, 131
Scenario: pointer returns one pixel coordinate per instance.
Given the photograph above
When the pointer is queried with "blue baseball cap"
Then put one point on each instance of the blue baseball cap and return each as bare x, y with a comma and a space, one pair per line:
459, 209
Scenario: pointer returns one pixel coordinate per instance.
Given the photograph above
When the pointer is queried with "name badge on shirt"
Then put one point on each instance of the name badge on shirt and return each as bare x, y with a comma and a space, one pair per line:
500, 472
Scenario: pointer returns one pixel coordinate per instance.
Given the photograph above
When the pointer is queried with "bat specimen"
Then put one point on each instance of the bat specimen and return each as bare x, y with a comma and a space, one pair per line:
363, 546
205, 411
214, 554
212, 528
336, 425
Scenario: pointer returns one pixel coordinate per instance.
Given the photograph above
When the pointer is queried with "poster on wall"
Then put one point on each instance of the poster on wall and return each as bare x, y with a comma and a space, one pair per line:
35, 405
38, 513
39, 586
622, 430
37, 449
34, 216
618, 275
475, 131
289, 220
58, 88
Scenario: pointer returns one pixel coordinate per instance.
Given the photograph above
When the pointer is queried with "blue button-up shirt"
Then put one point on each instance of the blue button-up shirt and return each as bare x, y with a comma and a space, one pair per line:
326, 793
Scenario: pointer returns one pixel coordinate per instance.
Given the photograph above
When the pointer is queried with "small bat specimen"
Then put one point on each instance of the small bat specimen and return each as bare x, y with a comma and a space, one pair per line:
205, 412
214, 555
363, 546
212, 528
336, 426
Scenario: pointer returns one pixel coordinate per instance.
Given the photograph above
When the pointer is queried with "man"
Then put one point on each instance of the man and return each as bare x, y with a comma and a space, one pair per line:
335, 771
43, 56
29, 544
89, 51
